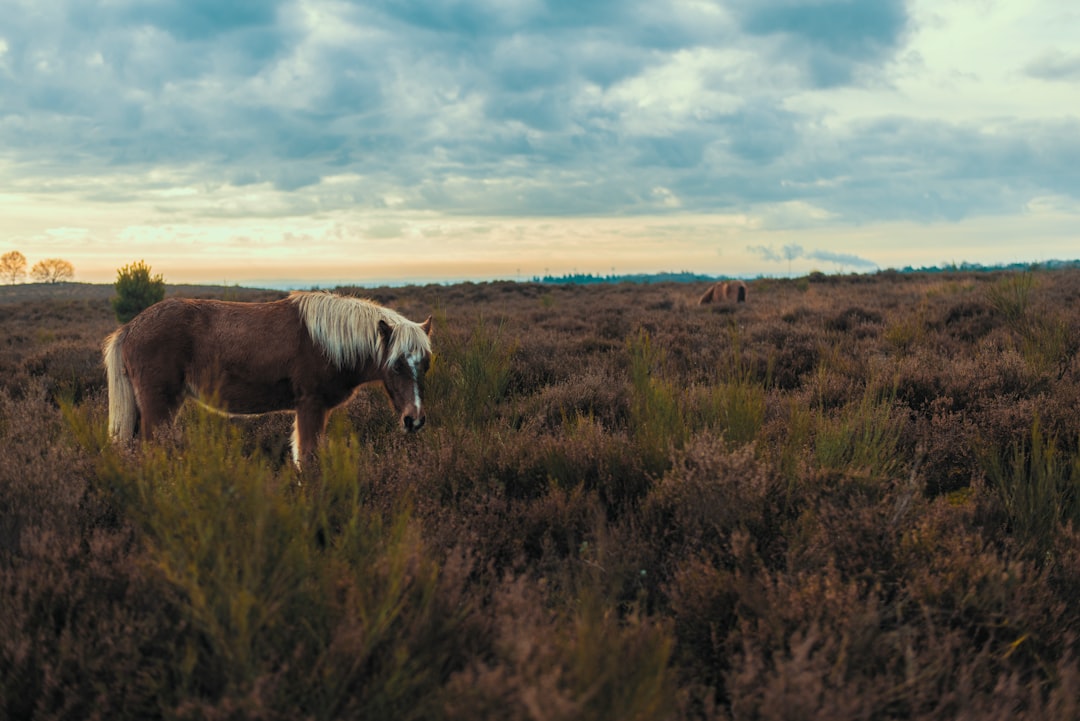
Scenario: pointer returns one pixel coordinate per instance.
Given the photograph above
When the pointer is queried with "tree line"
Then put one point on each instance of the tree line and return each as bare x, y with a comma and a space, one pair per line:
50, 270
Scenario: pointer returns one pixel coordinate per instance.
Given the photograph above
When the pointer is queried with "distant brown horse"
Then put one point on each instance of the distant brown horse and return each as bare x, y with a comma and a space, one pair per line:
731, 291
306, 353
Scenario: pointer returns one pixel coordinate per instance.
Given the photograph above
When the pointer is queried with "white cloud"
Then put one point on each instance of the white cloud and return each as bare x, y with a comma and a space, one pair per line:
666, 198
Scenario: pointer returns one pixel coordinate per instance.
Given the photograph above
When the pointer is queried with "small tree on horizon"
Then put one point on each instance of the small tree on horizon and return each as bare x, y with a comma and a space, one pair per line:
52, 270
136, 290
12, 266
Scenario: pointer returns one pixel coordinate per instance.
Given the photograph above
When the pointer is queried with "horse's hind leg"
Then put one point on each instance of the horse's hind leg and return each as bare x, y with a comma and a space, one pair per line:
156, 408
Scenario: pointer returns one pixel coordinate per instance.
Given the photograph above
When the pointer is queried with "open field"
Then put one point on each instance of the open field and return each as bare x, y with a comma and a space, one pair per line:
849, 498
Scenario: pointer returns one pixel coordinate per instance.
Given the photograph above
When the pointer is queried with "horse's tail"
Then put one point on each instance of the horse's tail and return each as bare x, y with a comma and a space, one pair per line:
742, 294
122, 409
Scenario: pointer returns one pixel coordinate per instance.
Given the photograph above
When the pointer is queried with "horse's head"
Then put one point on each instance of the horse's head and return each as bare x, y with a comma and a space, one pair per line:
403, 375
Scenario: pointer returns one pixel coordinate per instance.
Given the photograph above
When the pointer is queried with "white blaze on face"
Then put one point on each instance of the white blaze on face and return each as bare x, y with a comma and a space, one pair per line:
414, 366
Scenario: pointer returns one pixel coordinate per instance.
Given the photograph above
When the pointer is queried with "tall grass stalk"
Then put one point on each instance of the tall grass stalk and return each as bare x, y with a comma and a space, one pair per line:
607, 685
909, 330
735, 409
861, 438
794, 448
1011, 295
1047, 344
1039, 488
471, 377
738, 399
657, 419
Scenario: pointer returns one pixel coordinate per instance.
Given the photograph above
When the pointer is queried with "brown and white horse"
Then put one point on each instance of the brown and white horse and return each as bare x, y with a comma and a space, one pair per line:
306, 353
732, 291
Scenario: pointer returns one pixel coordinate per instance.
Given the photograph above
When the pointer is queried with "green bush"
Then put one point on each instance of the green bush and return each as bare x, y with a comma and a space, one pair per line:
136, 290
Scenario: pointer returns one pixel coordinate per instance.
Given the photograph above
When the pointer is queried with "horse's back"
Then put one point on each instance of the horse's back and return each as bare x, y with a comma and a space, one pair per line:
212, 345
192, 323
725, 291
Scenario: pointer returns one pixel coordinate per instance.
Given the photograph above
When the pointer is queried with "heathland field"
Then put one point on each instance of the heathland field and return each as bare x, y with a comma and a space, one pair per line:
849, 498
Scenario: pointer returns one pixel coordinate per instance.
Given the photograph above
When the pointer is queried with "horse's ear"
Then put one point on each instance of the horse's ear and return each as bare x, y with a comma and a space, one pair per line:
426, 325
385, 331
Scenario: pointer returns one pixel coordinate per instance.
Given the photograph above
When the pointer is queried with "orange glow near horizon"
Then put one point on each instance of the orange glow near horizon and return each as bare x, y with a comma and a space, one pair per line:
399, 248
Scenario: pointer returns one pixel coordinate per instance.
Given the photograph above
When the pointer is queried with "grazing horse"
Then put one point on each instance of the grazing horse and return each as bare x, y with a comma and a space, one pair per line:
306, 353
725, 291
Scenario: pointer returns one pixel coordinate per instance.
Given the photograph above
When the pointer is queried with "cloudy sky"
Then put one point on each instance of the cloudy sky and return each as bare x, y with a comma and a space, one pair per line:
322, 141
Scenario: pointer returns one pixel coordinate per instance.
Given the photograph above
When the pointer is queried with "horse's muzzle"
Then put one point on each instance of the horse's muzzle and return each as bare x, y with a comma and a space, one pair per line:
412, 423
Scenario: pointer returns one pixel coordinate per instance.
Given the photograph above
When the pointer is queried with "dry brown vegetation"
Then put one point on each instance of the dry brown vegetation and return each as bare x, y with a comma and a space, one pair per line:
851, 498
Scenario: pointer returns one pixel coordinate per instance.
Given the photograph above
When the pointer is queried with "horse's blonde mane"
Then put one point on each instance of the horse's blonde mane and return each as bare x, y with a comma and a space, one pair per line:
347, 328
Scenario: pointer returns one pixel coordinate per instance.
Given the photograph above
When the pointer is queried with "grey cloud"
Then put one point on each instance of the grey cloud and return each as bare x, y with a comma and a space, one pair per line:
795, 251
202, 19
898, 168
542, 110
862, 29
684, 150
830, 40
486, 18
761, 133
470, 19
295, 178
1055, 65
607, 61
841, 259
764, 252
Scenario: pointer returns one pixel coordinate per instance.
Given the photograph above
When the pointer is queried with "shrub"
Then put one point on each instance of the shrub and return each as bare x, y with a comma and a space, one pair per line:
288, 594
591, 665
71, 370
136, 290
853, 320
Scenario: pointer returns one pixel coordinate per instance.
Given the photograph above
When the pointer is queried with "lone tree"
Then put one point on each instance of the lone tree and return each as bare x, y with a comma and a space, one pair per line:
12, 266
52, 270
136, 290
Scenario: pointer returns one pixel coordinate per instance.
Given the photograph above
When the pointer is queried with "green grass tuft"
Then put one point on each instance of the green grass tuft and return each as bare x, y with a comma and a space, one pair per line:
1039, 487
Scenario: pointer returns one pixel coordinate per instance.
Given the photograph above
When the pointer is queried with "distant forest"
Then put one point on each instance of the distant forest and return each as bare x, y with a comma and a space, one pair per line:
688, 277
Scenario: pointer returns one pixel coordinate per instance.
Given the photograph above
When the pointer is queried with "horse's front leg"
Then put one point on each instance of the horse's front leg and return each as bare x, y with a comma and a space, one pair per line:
308, 429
